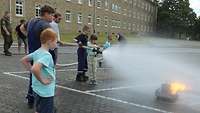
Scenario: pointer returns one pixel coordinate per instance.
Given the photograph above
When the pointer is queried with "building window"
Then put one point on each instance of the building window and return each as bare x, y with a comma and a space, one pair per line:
125, 25
80, 1
129, 26
68, 16
125, 12
98, 20
116, 8
99, 4
90, 2
106, 21
79, 18
19, 8
116, 23
106, 4
134, 2
89, 19
37, 11
130, 13
133, 27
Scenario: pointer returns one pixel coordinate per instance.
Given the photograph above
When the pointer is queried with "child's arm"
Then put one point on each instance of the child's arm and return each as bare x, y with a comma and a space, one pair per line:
26, 61
36, 70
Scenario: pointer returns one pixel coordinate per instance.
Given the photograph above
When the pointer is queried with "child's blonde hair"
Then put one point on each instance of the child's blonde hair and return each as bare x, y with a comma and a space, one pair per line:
47, 35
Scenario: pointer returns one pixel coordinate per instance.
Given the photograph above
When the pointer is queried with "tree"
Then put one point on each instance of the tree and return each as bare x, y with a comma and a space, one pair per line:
175, 17
196, 30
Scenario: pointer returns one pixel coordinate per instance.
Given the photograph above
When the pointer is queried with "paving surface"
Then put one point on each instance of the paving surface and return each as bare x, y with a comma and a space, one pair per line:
113, 94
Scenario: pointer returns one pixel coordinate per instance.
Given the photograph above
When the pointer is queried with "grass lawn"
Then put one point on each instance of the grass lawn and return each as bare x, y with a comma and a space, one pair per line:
68, 37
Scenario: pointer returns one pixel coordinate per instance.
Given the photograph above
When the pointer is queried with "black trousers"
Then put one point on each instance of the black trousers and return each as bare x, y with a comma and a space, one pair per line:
82, 60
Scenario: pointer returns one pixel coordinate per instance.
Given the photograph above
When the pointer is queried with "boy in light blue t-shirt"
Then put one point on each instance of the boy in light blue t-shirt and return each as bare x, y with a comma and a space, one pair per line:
43, 71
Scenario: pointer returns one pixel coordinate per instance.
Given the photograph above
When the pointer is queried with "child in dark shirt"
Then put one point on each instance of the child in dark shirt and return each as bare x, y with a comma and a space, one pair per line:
21, 37
82, 41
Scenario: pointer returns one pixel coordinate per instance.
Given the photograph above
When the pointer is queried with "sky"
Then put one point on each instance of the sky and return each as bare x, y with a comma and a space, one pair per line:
195, 4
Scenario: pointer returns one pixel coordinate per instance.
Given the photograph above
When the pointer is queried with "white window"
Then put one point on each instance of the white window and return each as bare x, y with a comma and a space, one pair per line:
125, 12
113, 5
133, 27
68, 16
119, 10
90, 2
99, 4
98, 20
129, 26
112, 23
37, 10
118, 23
89, 19
79, 18
19, 8
130, 13
106, 4
134, 14
80, 1
138, 26
106, 21
145, 28
116, 8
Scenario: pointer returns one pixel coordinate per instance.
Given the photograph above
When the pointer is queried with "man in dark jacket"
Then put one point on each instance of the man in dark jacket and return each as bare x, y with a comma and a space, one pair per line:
33, 29
6, 32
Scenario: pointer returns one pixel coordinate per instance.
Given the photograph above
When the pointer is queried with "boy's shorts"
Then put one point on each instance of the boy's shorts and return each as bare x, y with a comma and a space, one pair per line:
44, 104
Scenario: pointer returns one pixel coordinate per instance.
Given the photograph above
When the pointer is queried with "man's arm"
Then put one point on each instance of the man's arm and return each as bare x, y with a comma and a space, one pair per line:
4, 27
67, 44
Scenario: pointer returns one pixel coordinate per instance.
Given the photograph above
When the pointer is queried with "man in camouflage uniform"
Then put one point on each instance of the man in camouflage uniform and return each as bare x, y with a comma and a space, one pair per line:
6, 32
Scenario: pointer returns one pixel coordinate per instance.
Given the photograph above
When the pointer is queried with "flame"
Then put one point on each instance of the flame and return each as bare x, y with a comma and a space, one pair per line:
177, 87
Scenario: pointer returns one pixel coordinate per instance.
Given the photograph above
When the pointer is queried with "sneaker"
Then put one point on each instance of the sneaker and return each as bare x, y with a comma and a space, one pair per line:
30, 101
55, 110
92, 82
85, 78
78, 78
8, 54
30, 105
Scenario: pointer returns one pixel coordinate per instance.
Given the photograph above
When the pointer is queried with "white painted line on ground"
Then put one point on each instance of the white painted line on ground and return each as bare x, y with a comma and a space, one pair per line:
11, 46
12, 43
107, 89
26, 72
6, 73
100, 96
116, 88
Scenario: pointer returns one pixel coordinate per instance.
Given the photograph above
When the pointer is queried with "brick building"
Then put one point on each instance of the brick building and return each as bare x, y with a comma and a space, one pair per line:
105, 16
